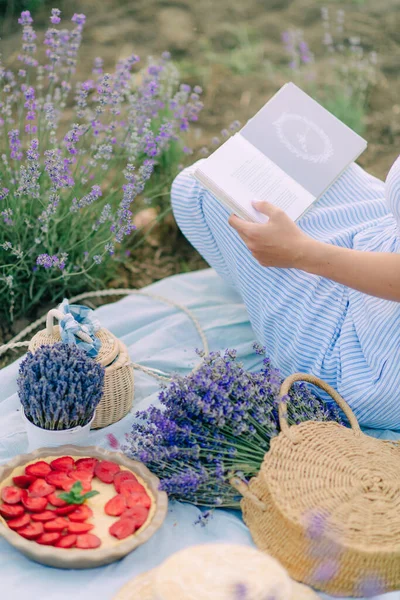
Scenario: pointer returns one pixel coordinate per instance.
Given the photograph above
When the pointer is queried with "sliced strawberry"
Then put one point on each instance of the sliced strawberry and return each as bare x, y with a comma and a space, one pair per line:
123, 528
86, 464
83, 476
64, 463
33, 504
47, 515
11, 494
19, 522
120, 477
88, 541
39, 469
23, 481
116, 506
32, 531
81, 513
138, 513
138, 500
58, 480
40, 488
55, 500
105, 471
65, 510
80, 527
11, 511
66, 541
48, 539
58, 524
131, 486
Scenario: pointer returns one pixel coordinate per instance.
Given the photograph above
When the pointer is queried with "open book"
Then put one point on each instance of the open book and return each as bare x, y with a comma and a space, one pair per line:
289, 154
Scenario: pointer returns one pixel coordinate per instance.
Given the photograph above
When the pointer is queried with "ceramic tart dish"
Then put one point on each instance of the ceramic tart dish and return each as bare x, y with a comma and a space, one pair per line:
127, 510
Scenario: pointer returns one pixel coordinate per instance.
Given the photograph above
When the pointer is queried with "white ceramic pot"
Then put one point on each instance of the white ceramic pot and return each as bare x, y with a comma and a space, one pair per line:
44, 438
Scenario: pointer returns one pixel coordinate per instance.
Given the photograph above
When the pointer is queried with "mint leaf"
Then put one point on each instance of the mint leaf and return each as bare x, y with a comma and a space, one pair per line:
75, 496
90, 495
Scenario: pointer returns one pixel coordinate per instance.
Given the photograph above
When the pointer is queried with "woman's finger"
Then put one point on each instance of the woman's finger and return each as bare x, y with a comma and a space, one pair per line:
264, 207
242, 227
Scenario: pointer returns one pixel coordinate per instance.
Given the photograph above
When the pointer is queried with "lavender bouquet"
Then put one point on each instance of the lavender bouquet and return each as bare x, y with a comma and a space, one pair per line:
60, 387
74, 156
216, 423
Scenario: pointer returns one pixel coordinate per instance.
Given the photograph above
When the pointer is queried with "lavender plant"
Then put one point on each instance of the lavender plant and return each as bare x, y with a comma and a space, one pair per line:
216, 423
74, 157
60, 387
348, 74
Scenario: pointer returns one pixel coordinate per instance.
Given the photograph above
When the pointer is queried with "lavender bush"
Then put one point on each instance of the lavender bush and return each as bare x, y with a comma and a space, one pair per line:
73, 159
60, 387
348, 72
216, 423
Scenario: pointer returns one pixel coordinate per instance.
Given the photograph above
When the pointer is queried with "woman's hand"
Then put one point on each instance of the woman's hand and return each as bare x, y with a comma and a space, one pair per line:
278, 243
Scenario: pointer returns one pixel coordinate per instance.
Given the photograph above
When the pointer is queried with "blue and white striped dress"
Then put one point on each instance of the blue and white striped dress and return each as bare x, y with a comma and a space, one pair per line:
308, 323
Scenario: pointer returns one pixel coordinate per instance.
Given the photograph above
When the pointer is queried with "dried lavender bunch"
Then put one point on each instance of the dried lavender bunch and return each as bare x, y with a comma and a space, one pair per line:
214, 423
60, 386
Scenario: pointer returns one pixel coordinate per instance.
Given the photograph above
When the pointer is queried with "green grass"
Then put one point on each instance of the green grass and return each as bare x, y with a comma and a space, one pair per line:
9, 8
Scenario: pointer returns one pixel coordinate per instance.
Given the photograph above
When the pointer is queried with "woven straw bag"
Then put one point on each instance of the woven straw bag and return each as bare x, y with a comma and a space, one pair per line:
113, 355
326, 503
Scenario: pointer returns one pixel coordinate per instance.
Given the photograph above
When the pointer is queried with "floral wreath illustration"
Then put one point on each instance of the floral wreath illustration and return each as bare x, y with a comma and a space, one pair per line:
301, 151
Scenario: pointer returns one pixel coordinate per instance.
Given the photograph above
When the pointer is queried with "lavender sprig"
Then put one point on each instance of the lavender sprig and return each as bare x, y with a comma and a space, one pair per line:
60, 387
216, 423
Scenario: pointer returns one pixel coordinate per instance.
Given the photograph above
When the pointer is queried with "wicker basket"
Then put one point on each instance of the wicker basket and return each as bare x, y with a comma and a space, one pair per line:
113, 355
326, 503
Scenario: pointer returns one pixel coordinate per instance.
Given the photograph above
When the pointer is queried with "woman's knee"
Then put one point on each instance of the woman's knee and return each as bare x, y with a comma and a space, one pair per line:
186, 199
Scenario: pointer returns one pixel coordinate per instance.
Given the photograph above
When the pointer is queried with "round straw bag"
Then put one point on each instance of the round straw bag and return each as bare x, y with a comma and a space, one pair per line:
326, 503
113, 356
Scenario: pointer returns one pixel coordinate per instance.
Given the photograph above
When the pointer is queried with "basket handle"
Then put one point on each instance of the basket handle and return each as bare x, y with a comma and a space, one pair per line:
287, 384
55, 313
243, 489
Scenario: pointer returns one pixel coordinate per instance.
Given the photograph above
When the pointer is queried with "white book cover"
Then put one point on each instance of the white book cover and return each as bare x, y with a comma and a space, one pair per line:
289, 154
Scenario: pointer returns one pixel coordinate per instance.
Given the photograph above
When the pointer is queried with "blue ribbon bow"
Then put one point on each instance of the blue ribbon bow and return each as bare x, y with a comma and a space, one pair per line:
78, 318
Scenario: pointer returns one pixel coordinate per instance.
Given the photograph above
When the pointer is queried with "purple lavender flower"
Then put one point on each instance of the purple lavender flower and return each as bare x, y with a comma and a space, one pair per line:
47, 173
371, 586
328, 569
55, 16
213, 424
240, 592
48, 262
87, 200
4, 193
15, 144
79, 19
98, 66
25, 18
28, 39
315, 524
30, 104
7, 215
60, 387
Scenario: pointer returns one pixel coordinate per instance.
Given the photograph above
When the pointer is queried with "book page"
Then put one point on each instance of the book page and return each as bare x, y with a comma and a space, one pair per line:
303, 138
243, 174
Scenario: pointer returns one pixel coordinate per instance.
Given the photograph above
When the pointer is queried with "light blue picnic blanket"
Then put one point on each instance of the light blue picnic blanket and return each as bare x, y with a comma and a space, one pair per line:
157, 336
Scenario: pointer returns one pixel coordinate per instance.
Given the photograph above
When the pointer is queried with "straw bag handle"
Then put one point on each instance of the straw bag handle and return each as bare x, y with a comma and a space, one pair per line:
287, 384
243, 489
54, 312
